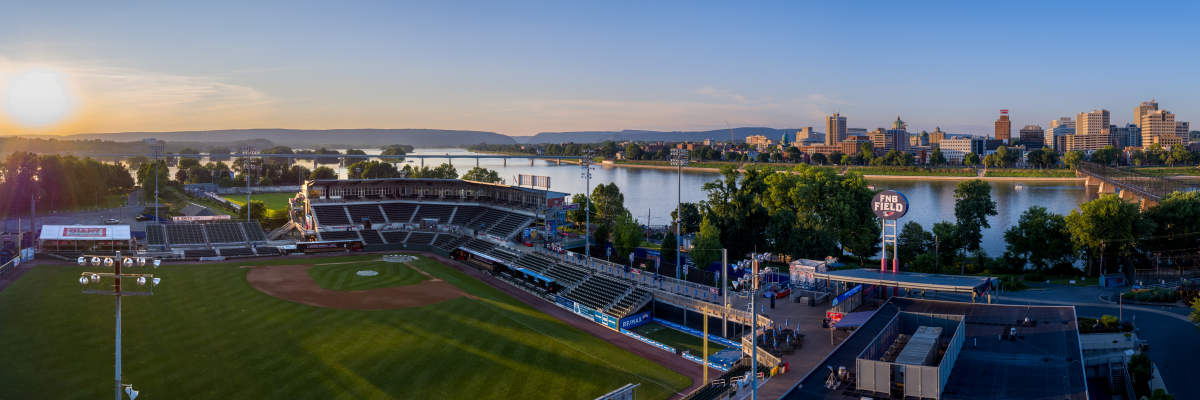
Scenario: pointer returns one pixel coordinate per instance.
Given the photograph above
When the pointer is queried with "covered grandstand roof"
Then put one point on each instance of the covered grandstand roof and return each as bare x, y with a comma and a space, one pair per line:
948, 283
196, 210
85, 232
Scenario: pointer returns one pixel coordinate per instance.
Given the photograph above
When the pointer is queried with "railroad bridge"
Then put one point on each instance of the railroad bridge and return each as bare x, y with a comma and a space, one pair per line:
1145, 189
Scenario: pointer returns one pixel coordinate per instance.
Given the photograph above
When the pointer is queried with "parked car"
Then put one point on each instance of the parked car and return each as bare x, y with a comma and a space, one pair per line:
142, 217
111, 221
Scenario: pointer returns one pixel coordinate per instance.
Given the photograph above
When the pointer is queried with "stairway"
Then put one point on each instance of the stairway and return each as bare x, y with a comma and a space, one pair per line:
1117, 378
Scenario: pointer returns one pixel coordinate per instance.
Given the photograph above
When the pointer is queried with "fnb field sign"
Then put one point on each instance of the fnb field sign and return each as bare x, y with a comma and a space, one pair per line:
889, 205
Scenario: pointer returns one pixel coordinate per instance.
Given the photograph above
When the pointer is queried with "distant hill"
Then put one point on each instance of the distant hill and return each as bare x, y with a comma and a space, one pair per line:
521, 139
299, 137
739, 134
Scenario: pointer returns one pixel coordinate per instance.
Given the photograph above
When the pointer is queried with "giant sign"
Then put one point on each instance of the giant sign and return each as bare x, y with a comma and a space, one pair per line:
83, 232
889, 205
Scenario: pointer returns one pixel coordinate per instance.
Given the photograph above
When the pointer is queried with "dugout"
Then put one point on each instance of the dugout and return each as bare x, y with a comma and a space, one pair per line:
329, 246
56, 238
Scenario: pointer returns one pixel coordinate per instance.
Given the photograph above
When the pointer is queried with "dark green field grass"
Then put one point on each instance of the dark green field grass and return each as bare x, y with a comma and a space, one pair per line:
274, 201
207, 334
679, 340
344, 276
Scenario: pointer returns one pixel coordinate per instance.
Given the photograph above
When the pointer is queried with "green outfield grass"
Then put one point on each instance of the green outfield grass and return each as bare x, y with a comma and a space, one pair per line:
345, 276
679, 340
274, 201
208, 334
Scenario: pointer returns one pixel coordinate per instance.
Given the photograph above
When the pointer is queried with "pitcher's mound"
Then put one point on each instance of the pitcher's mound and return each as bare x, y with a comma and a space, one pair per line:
292, 283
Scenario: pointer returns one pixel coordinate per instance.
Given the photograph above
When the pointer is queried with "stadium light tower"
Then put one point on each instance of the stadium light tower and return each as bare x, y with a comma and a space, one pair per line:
156, 152
248, 166
679, 158
118, 291
586, 163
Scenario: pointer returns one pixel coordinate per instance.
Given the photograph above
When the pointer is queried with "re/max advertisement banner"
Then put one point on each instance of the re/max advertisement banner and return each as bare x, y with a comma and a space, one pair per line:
636, 320
847, 295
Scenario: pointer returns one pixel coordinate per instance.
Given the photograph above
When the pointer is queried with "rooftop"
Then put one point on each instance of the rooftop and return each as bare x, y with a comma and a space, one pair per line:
1042, 361
952, 283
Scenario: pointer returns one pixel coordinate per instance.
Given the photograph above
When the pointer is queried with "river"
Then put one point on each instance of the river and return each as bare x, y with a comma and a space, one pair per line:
650, 193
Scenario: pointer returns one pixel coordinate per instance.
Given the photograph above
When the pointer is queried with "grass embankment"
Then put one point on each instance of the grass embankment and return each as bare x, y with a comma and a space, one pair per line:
207, 333
274, 201
679, 340
915, 171
109, 201
345, 277
1028, 173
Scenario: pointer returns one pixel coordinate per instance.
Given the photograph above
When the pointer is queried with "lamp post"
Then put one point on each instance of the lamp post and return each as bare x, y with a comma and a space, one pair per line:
118, 291
156, 152
249, 167
679, 158
586, 163
754, 291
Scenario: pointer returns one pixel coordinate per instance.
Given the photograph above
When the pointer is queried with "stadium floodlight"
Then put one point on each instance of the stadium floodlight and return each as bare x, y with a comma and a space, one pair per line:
118, 290
141, 261
156, 281
157, 262
82, 261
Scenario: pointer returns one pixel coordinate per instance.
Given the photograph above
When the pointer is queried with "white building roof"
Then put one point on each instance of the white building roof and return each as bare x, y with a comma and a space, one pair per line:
85, 232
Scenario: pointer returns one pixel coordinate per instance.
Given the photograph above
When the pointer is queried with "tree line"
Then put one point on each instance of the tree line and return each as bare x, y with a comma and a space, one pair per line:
58, 182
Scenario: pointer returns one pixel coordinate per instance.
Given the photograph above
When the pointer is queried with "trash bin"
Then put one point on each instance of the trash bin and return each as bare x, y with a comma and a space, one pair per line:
812, 302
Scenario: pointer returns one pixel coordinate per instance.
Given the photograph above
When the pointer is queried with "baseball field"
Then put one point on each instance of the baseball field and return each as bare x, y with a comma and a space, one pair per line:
213, 331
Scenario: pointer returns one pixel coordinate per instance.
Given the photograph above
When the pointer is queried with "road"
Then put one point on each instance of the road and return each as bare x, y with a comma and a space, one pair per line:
125, 214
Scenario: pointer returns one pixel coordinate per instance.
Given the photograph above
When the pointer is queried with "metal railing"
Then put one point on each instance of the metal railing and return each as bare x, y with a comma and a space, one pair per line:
764, 357
1146, 186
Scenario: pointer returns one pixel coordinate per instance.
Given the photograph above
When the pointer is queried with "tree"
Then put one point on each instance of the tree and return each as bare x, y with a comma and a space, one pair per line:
867, 152
265, 181
633, 151
1181, 154
199, 174
579, 216
181, 175
1105, 225
396, 150
706, 249
914, 240
1040, 237
972, 205
799, 236
837, 157
863, 241
847, 160
691, 217
762, 157
601, 235
355, 152
185, 163
946, 241
1195, 315
608, 202
670, 246
258, 211
971, 159
1174, 222
818, 158
323, 173
937, 158
794, 154
1106, 155
627, 234
145, 177
1073, 159
478, 174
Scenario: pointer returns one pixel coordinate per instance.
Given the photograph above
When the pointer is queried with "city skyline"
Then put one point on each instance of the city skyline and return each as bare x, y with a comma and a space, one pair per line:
521, 70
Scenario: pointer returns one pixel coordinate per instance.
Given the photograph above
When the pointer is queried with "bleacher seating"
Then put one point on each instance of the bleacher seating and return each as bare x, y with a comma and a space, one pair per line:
154, 234
453, 243
199, 253
268, 250
628, 304
399, 212
536, 264
506, 227
394, 236
224, 232
503, 254
420, 238
339, 235
236, 252
566, 275
466, 214
360, 211
371, 236
254, 231
180, 234
443, 239
597, 291
331, 215
488, 218
439, 212
478, 246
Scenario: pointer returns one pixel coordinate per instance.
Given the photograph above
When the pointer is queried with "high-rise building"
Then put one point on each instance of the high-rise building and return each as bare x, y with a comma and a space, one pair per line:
758, 140
1033, 137
937, 135
1092, 123
1055, 136
1128, 136
898, 135
1182, 130
1142, 110
1064, 121
835, 129
1003, 126
804, 133
881, 138
1159, 127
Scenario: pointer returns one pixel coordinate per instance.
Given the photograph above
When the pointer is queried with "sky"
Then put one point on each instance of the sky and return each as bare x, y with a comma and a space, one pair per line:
519, 68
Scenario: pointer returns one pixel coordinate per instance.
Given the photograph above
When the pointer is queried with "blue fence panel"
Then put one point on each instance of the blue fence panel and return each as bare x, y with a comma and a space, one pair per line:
723, 341
648, 341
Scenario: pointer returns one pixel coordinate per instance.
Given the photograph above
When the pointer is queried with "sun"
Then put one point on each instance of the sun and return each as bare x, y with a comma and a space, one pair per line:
38, 97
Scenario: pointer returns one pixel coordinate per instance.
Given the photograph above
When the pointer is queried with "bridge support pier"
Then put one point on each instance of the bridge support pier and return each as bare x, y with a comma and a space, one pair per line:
1107, 188
1147, 203
1090, 181
476, 163
1129, 196
505, 162
559, 161
530, 162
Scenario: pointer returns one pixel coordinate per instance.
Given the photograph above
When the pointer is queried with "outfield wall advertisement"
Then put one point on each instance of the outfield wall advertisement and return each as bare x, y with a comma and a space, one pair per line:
636, 320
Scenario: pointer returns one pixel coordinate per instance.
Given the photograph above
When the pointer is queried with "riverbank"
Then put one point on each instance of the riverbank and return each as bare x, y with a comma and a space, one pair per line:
968, 178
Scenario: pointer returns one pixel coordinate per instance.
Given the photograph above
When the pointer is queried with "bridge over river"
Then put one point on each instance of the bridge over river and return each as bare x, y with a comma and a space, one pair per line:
1147, 190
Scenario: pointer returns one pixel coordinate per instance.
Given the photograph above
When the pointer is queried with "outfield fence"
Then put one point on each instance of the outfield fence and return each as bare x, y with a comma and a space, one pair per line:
8, 267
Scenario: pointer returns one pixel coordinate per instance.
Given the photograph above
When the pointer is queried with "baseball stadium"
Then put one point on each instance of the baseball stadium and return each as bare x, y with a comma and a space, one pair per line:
374, 288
